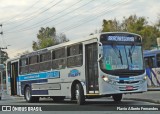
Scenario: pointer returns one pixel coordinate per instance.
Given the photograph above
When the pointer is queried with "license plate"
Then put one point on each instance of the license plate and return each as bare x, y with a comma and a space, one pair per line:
129, 87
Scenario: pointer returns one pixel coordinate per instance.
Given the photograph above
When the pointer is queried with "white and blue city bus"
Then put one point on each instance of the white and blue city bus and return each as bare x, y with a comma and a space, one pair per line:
152, 63
101, 65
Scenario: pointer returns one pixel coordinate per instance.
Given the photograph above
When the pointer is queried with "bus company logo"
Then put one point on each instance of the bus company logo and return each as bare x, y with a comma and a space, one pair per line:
74, 73
158, 72
6, 108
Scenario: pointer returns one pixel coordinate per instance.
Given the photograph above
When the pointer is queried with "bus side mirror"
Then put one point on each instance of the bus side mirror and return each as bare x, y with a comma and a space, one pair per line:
100, 51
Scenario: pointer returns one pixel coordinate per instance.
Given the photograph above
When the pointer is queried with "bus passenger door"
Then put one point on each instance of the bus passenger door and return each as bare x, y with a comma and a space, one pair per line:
14, 75
91, 64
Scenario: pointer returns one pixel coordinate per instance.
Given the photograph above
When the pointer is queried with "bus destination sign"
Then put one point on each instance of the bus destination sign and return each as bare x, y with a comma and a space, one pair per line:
121, 38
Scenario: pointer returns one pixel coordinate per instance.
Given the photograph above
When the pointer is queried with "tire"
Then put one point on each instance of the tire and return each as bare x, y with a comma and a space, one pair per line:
79, 94
28, 96
35, 99
117, 97
58, 98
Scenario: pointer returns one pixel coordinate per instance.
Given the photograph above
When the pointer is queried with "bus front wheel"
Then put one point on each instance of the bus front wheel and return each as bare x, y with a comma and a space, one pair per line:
79, 94
117, 97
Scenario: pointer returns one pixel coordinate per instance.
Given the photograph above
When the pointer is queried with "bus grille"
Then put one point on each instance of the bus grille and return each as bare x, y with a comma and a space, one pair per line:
124, 89
128, 82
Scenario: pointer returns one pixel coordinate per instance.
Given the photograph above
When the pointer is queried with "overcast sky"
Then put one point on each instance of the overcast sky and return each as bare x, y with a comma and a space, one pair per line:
21, 19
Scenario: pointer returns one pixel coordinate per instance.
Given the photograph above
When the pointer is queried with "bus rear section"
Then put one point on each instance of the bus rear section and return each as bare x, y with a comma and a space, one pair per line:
152, 64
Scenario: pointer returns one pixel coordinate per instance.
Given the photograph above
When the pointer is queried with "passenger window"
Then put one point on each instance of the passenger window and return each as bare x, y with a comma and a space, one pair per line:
45, 57
158, 60
59, 58
33, 63
74, 55
150, 62
45, 61
23, 66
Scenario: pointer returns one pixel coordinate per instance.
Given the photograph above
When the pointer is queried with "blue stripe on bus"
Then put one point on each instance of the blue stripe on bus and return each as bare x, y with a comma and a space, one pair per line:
42, 75
125, 78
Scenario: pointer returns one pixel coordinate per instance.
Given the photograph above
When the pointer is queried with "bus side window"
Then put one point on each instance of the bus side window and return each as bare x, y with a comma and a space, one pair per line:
158, 60
33, 63
23, 66
150, 62
59, 58
74, 55
45, 61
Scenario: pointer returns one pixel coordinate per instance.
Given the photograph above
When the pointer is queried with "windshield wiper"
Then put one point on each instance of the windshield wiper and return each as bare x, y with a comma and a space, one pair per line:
118, 52
130, 55
131, 50
120, 56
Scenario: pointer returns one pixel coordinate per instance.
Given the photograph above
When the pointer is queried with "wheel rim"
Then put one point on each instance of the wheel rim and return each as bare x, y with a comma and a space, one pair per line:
28, 94
77, 93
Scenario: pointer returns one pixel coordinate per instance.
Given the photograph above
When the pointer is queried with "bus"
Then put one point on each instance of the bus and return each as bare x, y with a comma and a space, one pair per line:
108, 64
152, 63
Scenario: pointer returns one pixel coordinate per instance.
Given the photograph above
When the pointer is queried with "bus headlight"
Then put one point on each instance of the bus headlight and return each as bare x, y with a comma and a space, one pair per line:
145, 77
105, 78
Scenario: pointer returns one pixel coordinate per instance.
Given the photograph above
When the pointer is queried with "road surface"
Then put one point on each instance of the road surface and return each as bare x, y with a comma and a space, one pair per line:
92, 106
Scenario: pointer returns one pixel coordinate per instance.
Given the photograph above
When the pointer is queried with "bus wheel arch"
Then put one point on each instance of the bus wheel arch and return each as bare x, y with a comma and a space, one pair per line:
77, 92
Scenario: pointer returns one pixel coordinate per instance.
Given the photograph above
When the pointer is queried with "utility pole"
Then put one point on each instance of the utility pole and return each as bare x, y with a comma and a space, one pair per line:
0, 47
1, 72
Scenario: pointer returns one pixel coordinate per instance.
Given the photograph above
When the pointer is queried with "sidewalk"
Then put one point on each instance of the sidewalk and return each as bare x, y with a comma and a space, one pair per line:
6, 96
149, 96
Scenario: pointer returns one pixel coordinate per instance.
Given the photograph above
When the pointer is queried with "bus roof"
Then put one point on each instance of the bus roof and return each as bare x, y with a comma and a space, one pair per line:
148, 53
93, 36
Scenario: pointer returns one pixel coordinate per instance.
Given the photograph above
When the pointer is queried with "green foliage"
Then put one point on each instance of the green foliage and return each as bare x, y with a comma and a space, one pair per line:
136, 25
47, 37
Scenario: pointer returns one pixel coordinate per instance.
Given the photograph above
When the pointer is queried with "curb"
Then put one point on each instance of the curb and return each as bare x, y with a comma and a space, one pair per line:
145, 100
153, 89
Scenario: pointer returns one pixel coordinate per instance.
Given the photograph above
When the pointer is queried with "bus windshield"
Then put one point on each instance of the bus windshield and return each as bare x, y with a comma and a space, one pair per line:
118, 57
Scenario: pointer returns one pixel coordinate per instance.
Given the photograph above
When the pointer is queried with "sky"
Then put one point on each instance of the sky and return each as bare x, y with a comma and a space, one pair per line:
22, 19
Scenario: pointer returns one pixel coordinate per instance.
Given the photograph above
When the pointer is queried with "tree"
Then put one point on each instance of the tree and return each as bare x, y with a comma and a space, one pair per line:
47, 37
62, 38
110, 25
138, 25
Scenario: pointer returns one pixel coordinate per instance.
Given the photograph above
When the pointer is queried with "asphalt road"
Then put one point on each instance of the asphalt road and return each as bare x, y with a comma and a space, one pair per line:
92, 106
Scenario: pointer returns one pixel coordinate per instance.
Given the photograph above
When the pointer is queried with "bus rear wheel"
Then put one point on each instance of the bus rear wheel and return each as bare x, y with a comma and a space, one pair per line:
79, 94
28, 96
117, 97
